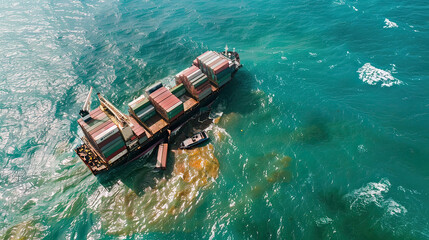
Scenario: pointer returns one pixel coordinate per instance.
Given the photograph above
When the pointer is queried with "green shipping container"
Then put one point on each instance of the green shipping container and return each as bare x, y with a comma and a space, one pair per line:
147, 116
178, 90
113, 142
200, 82
141, 105
96, 123
175, 111
115, 147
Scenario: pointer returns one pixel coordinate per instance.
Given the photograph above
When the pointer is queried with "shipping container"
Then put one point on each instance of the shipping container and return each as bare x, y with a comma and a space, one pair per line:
118, 156
149, 90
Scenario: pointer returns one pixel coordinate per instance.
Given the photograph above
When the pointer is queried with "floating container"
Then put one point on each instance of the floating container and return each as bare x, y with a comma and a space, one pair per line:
161, 160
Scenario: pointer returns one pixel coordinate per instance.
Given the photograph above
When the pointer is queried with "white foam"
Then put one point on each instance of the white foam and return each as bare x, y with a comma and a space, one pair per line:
389, 24
373, 193
362, 148
323, 221
394, 208
372, 75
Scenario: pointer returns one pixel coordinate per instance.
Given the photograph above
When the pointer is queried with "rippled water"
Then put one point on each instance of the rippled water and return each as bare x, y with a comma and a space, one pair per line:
322, 135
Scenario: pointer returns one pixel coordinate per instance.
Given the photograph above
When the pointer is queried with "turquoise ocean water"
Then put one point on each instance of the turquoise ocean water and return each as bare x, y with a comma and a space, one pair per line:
324, 132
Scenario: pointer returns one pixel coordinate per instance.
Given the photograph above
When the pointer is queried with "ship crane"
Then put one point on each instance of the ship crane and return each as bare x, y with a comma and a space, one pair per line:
84, 112
124, 123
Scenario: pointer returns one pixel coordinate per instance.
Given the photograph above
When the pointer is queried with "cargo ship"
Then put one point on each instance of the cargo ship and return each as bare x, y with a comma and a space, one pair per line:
112, 138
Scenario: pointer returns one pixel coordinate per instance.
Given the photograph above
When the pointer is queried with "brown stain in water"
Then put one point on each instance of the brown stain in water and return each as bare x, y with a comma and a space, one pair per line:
123, 212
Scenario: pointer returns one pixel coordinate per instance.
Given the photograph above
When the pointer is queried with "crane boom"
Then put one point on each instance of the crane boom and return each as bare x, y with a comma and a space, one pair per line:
125, 124
122, 119
87, 105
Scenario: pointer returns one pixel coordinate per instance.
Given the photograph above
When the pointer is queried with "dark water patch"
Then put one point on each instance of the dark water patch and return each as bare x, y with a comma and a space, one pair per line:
313, 133
137, 175
251, 227
239, 95
333, 200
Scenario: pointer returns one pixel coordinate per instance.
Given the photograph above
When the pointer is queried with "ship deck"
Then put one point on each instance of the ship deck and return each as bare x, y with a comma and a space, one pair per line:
91, 160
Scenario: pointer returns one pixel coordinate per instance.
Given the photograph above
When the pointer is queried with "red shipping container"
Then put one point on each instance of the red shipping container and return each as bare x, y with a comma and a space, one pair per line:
169, 102
203, 86
94, 113
166, 102
189, 71
221, 67
94, 135
85, 123
215, 62
99, 127
158, 92
202, 55
195, 62
162, 96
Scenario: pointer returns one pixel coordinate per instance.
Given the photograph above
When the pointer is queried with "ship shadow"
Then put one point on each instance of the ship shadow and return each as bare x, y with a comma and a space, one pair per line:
138, 175
239, 95
141, 175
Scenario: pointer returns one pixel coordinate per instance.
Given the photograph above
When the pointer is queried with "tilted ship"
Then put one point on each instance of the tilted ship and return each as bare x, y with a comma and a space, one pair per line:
112, 138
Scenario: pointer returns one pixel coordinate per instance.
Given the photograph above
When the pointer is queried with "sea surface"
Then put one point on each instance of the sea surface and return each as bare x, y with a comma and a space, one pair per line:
323, 134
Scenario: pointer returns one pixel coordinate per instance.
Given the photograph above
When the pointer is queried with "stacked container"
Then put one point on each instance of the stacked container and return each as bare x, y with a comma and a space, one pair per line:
195, 81
152, 88
179, 90
216, 66
168, 105
104, 135
141, 108
139, 131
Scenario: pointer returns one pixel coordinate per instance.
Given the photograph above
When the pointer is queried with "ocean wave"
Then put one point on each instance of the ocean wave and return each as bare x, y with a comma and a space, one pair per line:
372, 75
373, 194
389, 24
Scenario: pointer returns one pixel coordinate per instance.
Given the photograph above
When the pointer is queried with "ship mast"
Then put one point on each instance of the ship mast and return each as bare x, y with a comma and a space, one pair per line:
87, 105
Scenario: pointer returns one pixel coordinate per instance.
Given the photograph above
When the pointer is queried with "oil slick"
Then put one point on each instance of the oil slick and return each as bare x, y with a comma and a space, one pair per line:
277, 172
29, 229
160, 207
